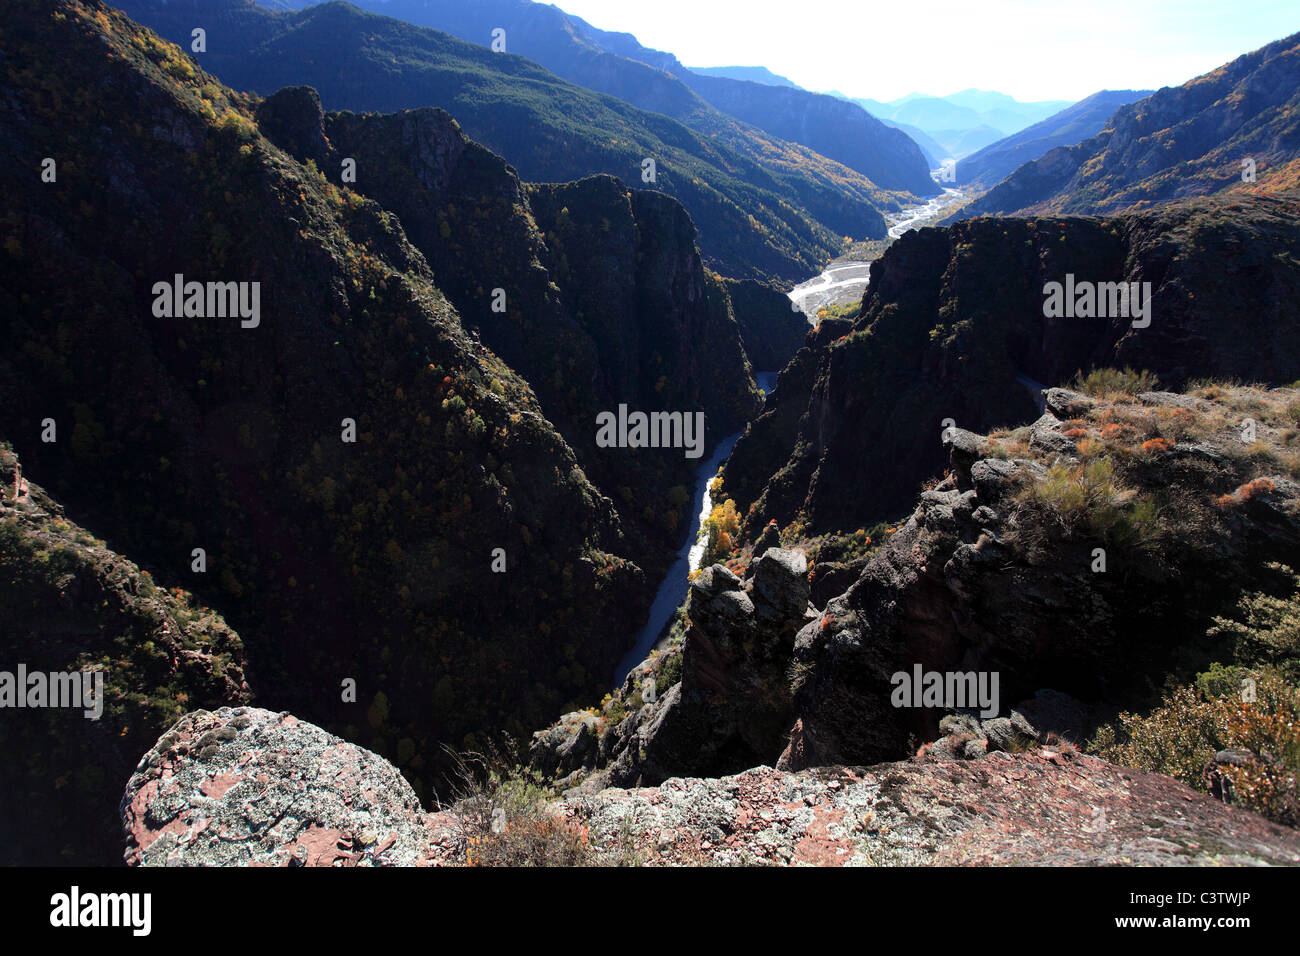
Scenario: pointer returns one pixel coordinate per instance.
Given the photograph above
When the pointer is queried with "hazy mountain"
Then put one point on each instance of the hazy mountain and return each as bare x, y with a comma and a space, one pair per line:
753, 74
1189, 140
990, 165
962, 122
752, 219
570, 46
959, 143
935, 153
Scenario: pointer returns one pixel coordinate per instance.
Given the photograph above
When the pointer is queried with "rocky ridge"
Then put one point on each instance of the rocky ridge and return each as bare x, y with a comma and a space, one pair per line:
952, 325
251, 787
993, 572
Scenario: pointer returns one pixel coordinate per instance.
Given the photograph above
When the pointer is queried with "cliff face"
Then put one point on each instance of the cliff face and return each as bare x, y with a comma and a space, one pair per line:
954, 316
771, 330
70, 604
602, 296
1077, 561
993, 573
366, 560
215, 777
1187, 140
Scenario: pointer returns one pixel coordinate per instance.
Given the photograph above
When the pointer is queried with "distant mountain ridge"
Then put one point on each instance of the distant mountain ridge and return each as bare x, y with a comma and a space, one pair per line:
1196, 139
780, 217
987, 167
961, 122
570, 46
752, 74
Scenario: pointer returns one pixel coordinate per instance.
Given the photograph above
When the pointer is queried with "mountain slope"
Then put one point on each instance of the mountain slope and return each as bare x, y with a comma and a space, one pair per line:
640, 323
985, 168
616, 63
366, 560
752, 74
752, 219
70, 603
1189, 140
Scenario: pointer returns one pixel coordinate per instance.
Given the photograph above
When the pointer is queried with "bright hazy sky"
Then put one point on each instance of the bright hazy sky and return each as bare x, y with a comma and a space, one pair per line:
1031, 49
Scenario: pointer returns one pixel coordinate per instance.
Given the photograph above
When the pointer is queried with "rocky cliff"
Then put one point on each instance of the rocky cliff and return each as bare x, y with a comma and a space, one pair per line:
771, 330
952, 326
242, 786
593, 292
346, 457
71, 604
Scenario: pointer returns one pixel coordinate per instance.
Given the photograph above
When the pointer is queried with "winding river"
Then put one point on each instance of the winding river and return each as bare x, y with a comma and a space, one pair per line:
672, 590
845, 280
842, 281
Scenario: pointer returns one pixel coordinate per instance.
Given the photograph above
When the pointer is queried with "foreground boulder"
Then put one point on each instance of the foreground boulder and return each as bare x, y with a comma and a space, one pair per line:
243, 786
249, 787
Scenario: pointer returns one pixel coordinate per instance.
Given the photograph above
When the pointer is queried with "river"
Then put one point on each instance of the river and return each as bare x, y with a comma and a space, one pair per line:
672, 591
842, 281
845, 280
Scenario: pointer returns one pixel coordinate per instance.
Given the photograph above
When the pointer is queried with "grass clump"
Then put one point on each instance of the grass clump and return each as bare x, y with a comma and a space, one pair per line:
504, 816
1111, 383
1086, 498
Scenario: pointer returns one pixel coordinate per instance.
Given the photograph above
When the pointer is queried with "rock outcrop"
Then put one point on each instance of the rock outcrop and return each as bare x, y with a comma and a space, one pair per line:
1031, 809
245, 786
70, 604
953, 324
731, 707
993, 574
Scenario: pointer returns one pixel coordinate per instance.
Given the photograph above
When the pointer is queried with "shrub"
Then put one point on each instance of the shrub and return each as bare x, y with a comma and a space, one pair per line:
504, 817
1085, 498
1193, 723
1110, 382
1268, 632
720, 528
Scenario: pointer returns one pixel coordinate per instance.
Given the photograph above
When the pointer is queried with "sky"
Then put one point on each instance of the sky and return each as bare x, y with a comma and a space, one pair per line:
1030, 49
